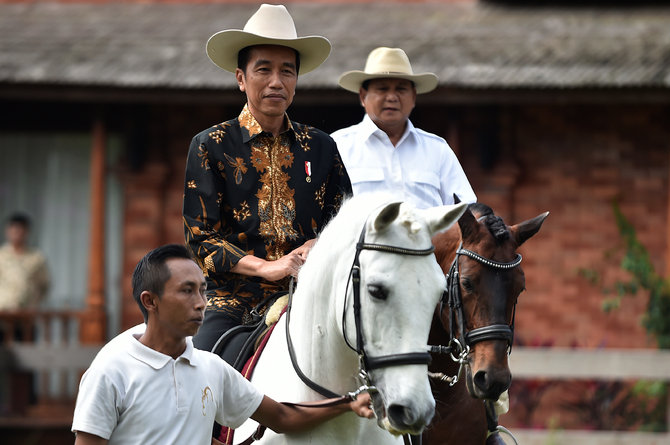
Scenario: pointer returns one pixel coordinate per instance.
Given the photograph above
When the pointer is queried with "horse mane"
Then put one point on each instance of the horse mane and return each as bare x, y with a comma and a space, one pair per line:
337, 238
494, 223
342, 231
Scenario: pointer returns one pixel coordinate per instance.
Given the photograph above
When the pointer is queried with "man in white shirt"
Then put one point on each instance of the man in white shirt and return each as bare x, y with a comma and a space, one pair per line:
152, 386
385, 152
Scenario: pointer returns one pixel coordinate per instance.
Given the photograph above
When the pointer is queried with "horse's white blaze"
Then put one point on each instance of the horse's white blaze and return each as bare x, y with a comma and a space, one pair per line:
396, 324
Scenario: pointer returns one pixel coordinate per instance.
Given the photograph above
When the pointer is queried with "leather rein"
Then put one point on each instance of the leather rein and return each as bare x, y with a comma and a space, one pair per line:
366, 363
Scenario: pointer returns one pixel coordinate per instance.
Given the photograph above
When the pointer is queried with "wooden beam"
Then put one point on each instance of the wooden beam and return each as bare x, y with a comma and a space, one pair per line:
667, 234
598, 364
576, 437
94, 321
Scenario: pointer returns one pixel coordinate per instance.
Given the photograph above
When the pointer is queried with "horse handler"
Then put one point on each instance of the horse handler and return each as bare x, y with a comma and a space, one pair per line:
155, 387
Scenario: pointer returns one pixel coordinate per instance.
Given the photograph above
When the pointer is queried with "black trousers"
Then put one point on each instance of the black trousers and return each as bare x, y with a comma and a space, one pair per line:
213, 327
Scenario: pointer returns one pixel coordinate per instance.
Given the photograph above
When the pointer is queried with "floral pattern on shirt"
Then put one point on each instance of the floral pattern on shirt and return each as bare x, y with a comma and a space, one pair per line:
259, 200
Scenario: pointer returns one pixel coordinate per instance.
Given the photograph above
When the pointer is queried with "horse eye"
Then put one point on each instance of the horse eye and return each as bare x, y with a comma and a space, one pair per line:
467, 285
377, 292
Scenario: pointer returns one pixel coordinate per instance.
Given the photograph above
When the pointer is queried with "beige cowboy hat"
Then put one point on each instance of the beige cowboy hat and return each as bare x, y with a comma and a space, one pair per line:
384, 63
270, 25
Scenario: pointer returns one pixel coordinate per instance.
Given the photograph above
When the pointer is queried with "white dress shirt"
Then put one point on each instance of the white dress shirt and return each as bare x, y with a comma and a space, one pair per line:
421, 168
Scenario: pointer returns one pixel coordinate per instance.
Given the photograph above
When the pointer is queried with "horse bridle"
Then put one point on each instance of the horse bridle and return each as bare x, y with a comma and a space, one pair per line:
459, 349
366, 363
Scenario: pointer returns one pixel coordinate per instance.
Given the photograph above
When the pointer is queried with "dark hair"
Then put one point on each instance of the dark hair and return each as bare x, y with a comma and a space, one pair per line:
245, 53
366, 83
20, 219
151, 273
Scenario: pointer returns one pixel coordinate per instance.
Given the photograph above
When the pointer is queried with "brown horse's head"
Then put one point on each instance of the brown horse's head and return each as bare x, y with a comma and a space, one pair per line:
487, 278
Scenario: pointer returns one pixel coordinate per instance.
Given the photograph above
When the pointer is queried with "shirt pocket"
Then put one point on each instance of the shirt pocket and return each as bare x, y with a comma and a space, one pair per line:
359, 175
424, 179
424, 187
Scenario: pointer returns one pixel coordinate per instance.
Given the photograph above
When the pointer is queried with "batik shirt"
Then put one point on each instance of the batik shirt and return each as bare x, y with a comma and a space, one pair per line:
250, 193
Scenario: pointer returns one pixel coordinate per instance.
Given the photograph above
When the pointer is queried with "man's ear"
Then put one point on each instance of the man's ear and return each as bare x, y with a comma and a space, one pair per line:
148, 300
362, 92
239, 75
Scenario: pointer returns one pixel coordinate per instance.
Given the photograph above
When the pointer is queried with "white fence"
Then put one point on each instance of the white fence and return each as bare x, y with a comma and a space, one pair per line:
597, 364
41, 361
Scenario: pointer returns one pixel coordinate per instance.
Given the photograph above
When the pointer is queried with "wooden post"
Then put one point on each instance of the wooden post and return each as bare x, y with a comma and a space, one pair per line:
667, 258
94, 321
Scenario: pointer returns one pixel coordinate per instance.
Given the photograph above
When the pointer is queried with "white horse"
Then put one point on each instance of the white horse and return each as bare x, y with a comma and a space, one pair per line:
399, 290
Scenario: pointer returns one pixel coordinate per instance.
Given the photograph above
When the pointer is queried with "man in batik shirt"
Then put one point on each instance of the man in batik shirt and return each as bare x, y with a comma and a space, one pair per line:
260, 187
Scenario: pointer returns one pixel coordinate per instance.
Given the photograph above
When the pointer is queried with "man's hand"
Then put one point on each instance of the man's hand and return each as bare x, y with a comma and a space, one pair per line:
362, 406
275, 270
287, 265
270, 270
303, 250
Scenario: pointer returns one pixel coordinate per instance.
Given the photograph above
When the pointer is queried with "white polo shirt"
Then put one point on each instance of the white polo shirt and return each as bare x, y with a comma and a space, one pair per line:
421, 168
132, 394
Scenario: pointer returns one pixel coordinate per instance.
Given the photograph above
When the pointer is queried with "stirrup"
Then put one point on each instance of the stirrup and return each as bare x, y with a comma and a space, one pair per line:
494, 437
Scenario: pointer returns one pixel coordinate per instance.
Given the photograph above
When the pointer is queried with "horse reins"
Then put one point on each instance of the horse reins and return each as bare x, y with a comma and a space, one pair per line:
366, 363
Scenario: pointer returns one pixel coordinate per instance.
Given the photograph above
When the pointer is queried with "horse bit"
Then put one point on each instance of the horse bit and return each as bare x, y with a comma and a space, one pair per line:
459, 350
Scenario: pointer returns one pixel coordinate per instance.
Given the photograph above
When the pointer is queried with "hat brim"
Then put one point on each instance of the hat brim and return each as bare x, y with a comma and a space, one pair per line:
352, 80
223, 47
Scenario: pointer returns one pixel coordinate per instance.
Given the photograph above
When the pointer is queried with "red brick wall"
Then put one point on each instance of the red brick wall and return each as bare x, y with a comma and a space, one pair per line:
574, 161
569, 160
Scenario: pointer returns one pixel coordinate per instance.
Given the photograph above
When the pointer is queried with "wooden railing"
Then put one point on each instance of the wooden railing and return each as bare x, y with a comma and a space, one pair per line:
594, 364
41, 363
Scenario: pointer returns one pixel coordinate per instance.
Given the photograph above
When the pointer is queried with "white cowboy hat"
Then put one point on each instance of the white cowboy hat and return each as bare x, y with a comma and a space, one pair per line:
270, 25
384, 63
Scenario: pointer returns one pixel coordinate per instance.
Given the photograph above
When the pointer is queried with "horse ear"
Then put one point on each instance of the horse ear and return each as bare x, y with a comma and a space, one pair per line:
442, 217
386, 216
468, 225
524, 230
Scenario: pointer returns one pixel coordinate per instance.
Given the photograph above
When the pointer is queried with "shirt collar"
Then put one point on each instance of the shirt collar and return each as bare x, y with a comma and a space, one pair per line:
369, 128
249, 123
156, 359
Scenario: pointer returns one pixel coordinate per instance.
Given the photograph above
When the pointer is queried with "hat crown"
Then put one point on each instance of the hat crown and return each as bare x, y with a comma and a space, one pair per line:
384, 60
273, 21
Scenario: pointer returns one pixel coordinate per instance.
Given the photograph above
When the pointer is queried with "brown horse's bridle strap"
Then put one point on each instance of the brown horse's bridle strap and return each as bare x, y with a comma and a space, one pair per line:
454, 299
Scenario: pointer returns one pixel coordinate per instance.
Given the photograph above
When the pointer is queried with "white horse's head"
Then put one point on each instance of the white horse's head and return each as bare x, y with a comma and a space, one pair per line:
400, 286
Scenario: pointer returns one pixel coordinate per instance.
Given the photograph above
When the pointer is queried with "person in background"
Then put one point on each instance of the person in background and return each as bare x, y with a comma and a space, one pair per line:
24, 275
385, 152
155, 387
259, 187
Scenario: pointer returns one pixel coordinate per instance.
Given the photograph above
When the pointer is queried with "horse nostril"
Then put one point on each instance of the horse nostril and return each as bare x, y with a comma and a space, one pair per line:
402, 416
490, 387
481, 380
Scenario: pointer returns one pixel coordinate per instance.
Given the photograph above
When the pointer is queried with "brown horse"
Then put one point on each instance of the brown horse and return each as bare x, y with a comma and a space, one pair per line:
475, 322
